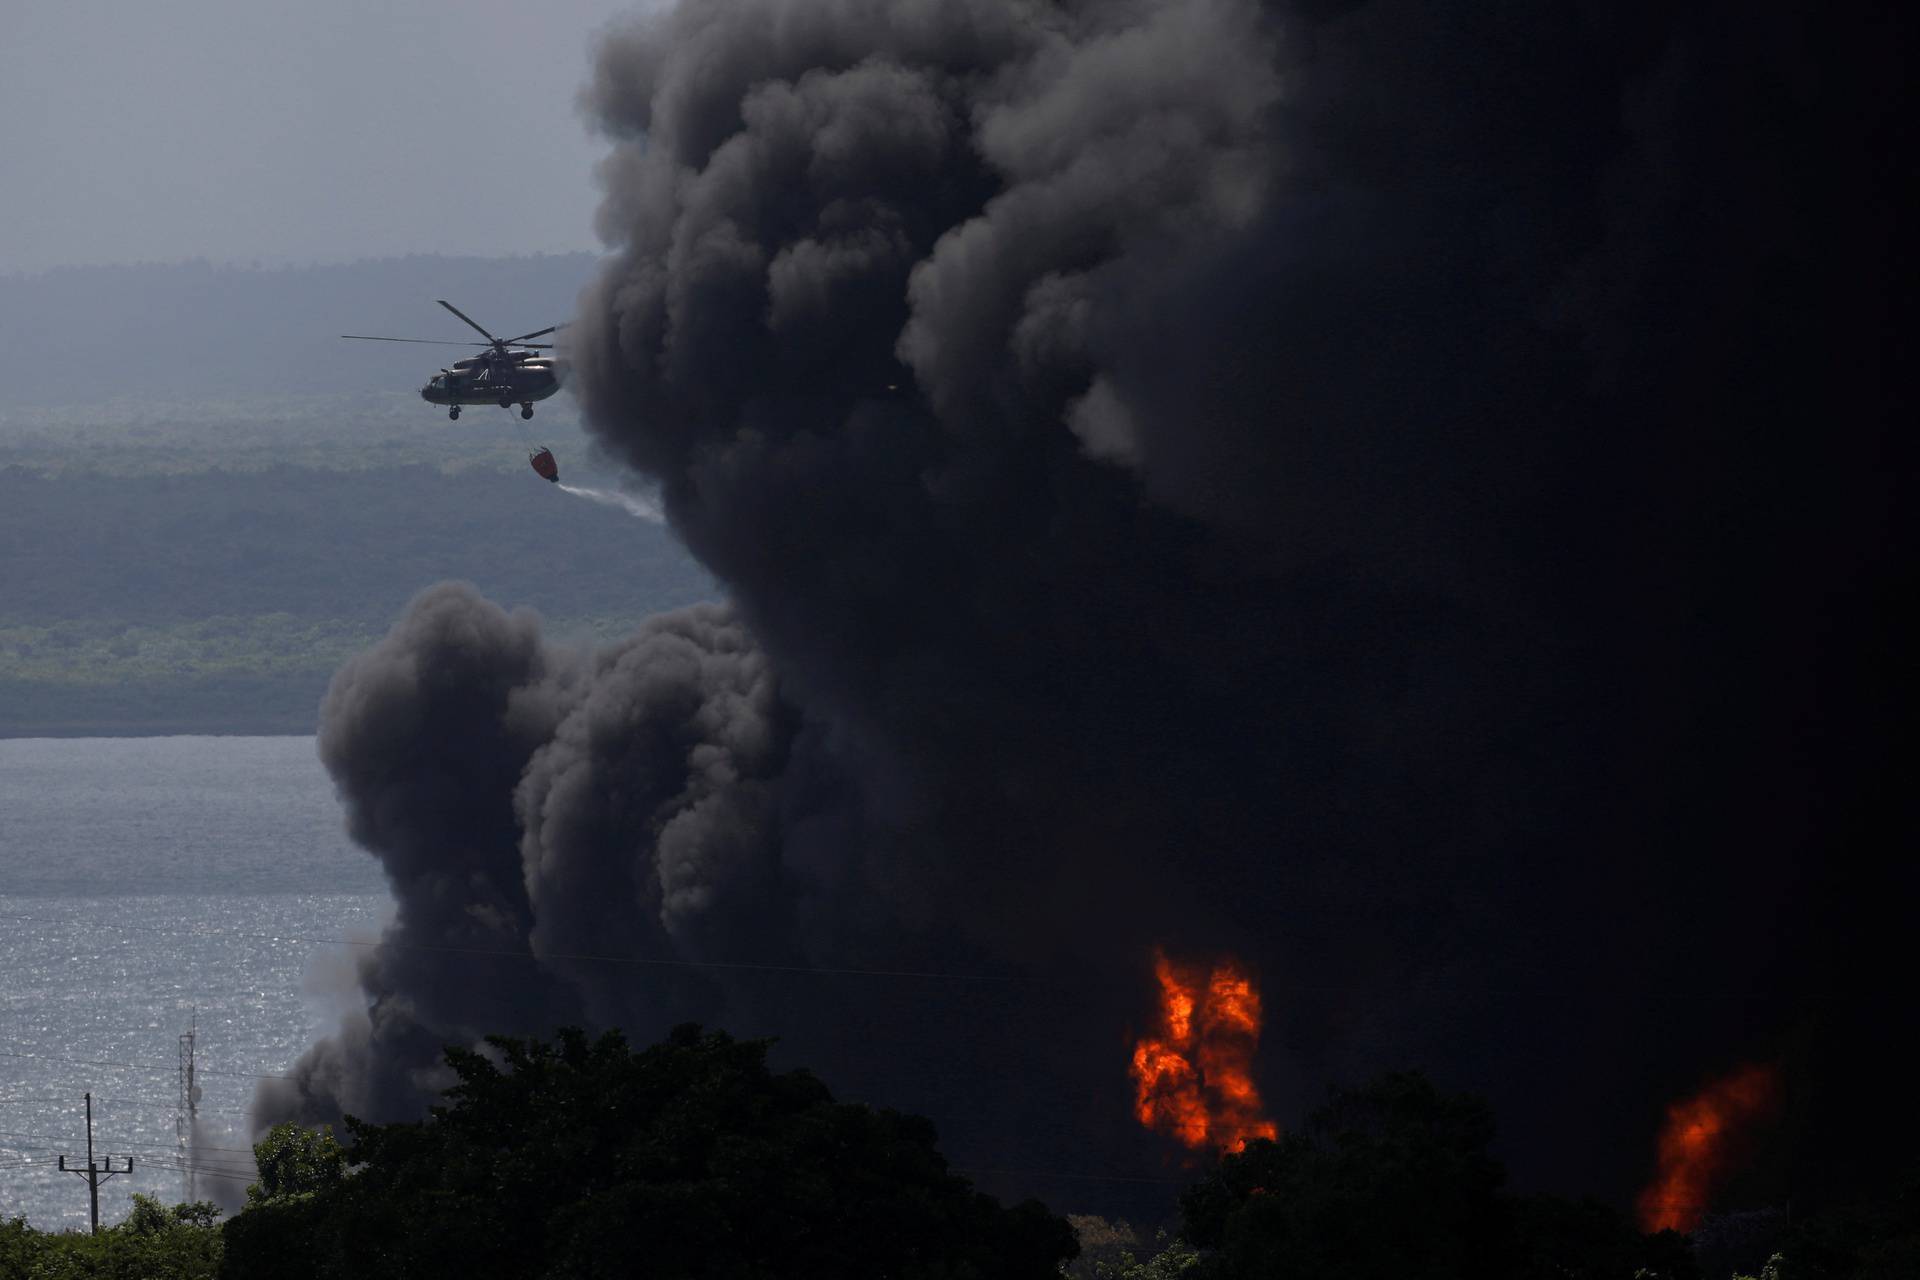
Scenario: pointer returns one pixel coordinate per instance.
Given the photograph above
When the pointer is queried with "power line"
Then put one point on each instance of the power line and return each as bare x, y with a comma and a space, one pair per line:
29, 1146
228, 1168
156, 1165
241, 1172
115, 1142
169, 1068
212, 1172
131, 1102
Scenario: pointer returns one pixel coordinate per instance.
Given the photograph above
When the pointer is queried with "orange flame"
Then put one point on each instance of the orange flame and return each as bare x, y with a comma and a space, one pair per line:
1194, 1080
1695, 1144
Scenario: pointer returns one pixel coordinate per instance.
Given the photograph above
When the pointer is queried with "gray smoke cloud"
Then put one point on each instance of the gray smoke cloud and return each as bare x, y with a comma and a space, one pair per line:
1253, 478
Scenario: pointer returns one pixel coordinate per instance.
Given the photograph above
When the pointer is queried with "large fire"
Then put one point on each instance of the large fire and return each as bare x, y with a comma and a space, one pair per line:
1695, 1145
1194, 1080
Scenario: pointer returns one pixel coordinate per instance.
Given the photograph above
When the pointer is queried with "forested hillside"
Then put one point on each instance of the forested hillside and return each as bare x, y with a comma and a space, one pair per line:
198, 555
222, 600
193, 331
352, 547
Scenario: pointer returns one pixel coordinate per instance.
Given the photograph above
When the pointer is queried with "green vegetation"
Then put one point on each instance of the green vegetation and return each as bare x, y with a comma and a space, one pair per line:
690, 1159
1877, 1240
261, 674
208, 506
1398, 1180
366, 432
154, 1243
216, 601
295, 1165
98, 651
584, 1158
347, 547
1111, 1251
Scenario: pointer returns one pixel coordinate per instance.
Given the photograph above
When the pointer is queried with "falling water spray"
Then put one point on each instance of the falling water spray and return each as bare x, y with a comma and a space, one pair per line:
634, 505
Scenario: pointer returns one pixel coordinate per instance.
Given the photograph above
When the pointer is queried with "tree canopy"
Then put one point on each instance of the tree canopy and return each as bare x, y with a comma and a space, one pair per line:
1397, 1180
155, 1242
582, 1158
295, 1161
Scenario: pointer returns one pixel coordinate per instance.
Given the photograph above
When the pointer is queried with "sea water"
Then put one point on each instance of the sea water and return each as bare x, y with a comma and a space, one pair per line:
149, 886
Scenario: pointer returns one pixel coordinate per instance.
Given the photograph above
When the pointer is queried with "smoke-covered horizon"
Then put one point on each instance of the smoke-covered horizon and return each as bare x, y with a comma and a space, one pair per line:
1398, 498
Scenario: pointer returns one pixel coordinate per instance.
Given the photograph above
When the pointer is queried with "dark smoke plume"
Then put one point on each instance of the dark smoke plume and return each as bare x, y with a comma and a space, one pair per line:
1400, 494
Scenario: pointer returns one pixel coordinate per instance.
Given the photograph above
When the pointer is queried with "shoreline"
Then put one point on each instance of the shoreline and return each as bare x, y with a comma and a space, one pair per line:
185, 727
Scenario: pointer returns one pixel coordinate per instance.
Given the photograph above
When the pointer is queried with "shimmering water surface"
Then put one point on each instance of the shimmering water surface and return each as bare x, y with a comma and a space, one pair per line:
147, 884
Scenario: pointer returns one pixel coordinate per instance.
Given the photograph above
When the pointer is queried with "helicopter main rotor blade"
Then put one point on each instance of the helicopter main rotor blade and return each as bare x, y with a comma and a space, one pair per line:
469, 319
521, 340
432, 342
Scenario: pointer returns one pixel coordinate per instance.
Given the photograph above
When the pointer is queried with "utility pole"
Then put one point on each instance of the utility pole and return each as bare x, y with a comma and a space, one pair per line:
96, 1172
187, 1111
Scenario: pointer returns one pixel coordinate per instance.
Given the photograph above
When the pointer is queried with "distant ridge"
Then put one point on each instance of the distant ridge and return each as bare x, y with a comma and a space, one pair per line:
81, 335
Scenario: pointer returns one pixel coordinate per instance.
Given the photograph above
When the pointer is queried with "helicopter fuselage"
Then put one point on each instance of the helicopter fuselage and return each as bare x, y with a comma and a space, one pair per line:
483, 383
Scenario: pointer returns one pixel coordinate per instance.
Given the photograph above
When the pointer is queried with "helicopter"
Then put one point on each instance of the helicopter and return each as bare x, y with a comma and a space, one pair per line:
506, 373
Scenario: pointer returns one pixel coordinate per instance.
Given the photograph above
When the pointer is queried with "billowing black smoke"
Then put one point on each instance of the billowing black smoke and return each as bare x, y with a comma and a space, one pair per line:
1396, 492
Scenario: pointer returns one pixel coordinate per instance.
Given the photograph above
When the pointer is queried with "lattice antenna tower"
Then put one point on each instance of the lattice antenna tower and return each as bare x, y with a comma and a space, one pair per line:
187, 1110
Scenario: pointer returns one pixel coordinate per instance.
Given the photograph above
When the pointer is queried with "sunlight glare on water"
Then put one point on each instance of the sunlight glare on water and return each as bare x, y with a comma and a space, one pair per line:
145, 883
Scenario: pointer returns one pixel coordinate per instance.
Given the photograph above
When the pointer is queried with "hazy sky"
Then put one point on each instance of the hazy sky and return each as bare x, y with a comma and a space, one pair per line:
290, 132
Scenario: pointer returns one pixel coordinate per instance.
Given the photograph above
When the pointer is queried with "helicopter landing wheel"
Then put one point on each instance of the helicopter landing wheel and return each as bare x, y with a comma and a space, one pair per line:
526, 411
506, 402
453, 414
